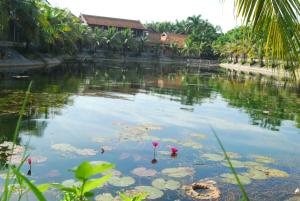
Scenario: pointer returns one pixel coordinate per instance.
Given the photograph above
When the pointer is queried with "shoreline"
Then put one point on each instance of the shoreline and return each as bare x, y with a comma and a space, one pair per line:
277, 73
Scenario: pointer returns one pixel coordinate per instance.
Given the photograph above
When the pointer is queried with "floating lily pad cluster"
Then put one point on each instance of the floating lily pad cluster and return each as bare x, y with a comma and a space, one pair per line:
14, 154
256, 170
70, 149
137, 132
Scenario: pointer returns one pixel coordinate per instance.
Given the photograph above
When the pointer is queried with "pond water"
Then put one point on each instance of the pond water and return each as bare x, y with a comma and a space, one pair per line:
113, 112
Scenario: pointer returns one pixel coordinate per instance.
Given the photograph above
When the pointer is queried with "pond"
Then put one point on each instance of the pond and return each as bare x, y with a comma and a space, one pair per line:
113, 112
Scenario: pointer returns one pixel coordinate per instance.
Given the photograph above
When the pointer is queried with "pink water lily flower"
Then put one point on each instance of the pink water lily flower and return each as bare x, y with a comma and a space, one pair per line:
29, 161
155, 144
174, 150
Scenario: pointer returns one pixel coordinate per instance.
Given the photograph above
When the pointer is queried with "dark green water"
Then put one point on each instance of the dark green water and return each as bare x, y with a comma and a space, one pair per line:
123, 108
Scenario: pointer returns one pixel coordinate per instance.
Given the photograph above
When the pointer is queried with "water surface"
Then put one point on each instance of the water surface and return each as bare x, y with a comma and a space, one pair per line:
123, 108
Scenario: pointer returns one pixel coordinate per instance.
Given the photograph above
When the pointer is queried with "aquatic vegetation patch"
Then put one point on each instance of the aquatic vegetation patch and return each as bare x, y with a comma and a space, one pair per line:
233, 155
39, 159
211, 191
192, 144
70, 182
229, 178
113, 172
213, 157
121, 181
171, 140
67, 148
178, 172
99, 139
153, 193
166, 184
272, 172
255, 174
235, 163
144, 172
105, 197
294, 198
263, 159
199, 135
138, 133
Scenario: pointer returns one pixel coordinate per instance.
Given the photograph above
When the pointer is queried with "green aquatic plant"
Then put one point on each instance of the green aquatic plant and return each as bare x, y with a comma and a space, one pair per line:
81, 189
235, 175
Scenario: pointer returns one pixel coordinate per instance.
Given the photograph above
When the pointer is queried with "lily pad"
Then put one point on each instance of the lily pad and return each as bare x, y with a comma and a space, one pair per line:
166, 184
199, 135
294, 198
144, 172
229, 178
99, 139
70, 182
263, 159
39, 159
153, 193
213, 157
169, 140
192, 144
113, 172
178, 172
272, 172
255, 174
233, 155
67, 148
121, 181
105, 197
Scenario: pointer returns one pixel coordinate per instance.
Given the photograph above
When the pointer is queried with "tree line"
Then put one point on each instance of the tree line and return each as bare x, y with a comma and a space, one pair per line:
49, 29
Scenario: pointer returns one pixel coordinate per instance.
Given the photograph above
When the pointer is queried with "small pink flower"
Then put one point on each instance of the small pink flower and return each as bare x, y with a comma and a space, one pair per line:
174, 150
29, 161
155, 144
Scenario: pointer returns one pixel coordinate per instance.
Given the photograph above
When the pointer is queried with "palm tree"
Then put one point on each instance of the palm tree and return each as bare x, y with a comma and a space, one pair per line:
126, 39
280, 20
110, 38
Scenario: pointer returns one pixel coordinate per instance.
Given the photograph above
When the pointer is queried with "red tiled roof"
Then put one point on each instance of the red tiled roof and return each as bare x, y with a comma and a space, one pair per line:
169, 38
154, 38
112, 22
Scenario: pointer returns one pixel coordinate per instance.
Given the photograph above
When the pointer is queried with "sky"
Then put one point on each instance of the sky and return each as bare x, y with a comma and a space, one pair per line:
217, 13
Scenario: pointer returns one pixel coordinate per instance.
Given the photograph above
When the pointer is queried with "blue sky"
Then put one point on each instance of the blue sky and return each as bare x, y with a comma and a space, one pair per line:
156, 10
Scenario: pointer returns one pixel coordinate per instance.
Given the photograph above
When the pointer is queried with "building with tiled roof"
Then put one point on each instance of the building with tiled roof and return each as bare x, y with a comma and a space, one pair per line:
179, 39
105, 22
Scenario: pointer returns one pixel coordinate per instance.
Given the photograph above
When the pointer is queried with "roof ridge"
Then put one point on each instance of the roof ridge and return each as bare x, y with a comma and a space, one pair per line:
110, 17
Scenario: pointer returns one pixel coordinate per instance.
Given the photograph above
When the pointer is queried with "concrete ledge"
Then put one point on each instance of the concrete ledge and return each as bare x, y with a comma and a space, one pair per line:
278, 73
